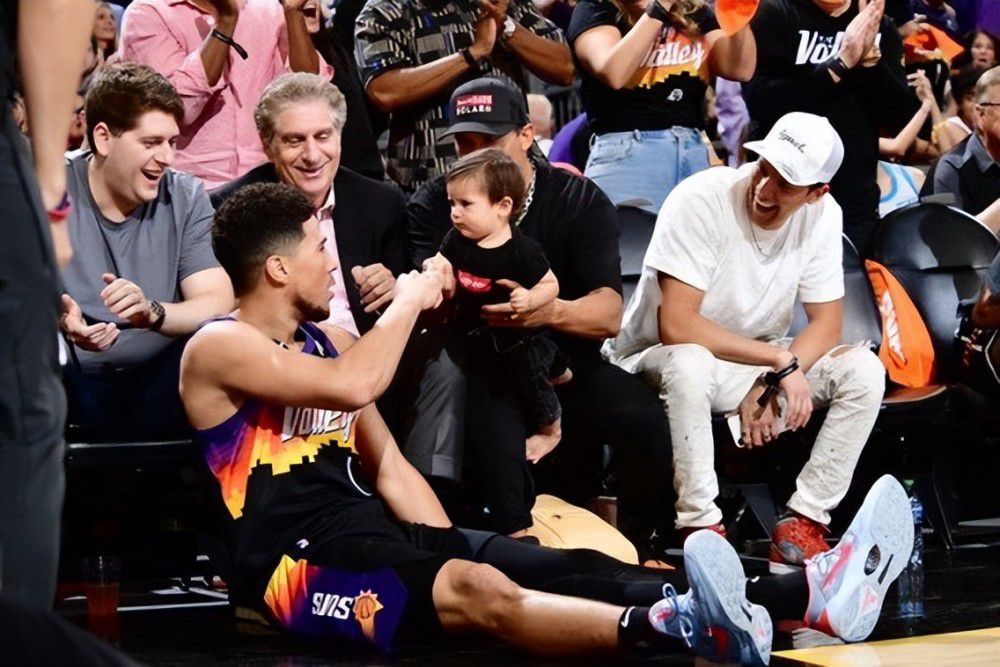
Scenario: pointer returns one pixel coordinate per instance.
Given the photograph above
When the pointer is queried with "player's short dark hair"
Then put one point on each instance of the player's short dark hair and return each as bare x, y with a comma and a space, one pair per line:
254, 223
496, 171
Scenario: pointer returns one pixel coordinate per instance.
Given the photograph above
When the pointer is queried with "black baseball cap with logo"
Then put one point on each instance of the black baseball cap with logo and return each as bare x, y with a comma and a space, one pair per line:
487, 105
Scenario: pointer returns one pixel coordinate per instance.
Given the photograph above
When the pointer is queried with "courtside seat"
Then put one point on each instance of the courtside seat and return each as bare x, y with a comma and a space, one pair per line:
635, 229
862, 323
911, 419
139, 455
940, 255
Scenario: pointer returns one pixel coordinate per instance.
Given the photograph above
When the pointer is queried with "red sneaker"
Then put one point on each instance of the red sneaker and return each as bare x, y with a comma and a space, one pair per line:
795, 540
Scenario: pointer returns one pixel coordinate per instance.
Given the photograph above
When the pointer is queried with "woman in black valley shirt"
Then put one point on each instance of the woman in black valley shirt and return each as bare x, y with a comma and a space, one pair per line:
645, 69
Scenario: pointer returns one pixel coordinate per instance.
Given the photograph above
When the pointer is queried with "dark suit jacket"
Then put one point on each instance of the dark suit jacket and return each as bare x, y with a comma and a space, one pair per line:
369, 222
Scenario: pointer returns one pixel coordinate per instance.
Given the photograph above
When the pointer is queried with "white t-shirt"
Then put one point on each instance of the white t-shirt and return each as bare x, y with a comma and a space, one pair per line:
750, 277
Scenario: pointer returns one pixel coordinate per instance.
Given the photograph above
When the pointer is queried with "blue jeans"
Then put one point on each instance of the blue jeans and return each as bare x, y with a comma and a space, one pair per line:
640, 168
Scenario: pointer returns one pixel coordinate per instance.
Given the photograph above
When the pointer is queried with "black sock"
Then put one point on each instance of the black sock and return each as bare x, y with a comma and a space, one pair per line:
638, 636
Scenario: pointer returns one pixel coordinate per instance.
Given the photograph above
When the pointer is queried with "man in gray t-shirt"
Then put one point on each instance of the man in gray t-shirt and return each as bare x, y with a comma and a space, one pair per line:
143, 274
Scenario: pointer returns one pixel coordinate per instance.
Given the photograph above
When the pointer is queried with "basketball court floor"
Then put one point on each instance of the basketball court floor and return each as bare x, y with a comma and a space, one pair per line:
184, 623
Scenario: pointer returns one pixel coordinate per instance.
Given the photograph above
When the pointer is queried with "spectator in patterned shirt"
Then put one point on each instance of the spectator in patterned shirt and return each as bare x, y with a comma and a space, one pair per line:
414, 53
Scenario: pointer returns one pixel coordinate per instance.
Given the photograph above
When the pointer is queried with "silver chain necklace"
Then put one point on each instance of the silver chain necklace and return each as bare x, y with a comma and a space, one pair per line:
753, 234
527, 199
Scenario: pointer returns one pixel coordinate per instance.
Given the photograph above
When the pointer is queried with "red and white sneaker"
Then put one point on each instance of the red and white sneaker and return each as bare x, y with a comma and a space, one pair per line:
795, 540
847, 584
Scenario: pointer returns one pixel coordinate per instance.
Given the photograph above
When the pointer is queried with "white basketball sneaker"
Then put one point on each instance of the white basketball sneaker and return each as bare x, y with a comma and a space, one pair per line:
848, 583
729, 628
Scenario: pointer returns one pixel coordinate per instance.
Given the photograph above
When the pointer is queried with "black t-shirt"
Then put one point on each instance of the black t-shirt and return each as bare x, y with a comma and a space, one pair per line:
477, 269
573, 221
794, 39
667, 89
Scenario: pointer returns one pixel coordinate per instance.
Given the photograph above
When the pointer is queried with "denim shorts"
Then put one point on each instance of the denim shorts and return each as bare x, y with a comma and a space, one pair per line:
640, 168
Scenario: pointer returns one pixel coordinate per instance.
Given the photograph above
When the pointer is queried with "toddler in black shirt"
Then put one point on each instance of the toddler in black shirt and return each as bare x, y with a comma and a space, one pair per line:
494, 262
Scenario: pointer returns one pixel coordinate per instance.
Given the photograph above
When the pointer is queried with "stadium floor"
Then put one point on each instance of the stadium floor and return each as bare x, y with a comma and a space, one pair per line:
962, 593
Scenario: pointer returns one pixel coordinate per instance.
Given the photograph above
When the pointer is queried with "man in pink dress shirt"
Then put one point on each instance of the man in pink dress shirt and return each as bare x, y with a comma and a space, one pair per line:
219, 55
300, 118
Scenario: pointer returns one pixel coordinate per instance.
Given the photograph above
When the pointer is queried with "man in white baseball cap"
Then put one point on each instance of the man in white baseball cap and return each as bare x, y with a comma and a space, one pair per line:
708, 323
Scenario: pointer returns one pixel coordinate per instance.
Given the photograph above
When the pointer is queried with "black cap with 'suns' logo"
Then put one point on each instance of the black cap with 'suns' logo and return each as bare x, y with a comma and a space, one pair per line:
488, 106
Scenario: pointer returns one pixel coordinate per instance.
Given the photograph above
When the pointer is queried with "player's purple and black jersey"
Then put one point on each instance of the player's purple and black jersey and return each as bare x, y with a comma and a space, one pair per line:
280, 467
312, 545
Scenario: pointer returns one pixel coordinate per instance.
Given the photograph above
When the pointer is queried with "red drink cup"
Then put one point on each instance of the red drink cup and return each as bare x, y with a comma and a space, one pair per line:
101, 586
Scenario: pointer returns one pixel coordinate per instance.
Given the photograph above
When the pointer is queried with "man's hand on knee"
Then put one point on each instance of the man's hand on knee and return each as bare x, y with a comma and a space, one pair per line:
798, 393
758, 425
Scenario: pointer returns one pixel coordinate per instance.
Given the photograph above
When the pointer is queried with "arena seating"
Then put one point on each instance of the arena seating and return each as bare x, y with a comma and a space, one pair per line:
635, 228
940, 255
150, 502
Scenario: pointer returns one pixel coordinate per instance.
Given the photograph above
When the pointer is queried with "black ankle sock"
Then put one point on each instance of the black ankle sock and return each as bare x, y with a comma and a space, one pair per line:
635, 632
636, 635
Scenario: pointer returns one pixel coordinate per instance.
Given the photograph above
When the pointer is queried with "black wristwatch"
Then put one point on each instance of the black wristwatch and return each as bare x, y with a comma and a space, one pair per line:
159, 315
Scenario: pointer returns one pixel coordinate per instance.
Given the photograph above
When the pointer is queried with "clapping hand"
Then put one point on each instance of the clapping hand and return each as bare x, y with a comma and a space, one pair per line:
497, 9
922, 87
485, 35
859, 37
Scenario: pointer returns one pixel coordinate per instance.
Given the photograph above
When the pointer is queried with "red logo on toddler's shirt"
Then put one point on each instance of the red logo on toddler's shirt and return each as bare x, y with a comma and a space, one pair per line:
473, 283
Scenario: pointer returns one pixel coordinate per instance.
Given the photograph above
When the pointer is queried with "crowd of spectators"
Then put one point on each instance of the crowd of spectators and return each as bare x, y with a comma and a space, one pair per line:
418, 132
649, 76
